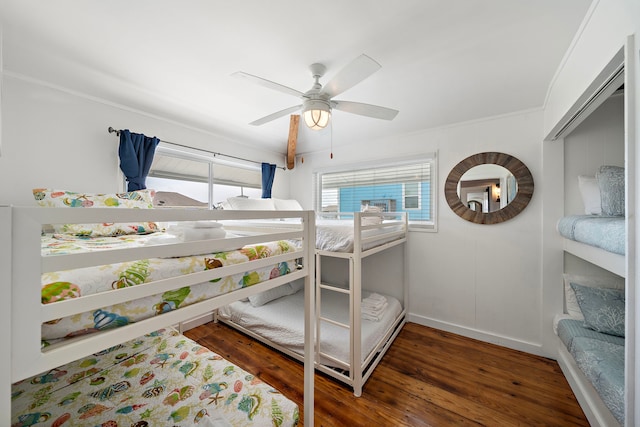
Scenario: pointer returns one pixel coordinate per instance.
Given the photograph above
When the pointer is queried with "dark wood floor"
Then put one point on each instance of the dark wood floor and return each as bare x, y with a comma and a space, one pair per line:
427, 378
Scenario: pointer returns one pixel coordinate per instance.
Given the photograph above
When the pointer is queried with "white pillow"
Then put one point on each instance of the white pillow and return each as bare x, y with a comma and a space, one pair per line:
297, 285
264, 297
287, 205
248, 204
590, 192
571, 303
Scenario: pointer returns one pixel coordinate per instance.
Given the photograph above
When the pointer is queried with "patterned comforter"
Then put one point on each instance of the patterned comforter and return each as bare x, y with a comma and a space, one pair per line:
161, 379
62, 285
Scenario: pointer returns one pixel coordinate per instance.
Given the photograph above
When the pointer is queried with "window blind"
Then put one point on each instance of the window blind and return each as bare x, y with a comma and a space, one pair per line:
401, 187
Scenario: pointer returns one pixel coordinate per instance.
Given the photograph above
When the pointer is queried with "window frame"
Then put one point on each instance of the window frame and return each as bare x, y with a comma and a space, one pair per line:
414, 225
211, 160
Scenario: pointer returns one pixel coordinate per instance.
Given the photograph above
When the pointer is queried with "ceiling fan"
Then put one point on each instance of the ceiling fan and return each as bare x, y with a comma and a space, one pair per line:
318, 101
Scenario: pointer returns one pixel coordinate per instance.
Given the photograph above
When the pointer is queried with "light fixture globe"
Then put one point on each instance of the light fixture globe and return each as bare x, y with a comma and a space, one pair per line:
316, 113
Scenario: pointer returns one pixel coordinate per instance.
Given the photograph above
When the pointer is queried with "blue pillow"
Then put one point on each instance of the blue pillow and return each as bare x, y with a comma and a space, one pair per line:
602, 308
611, 182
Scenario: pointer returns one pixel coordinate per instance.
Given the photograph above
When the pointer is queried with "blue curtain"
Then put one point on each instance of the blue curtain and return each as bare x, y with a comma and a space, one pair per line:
268, 173
136, 154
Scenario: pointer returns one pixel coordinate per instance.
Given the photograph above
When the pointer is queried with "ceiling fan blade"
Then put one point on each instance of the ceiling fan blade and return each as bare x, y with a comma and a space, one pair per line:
267, 83
355, 72
368, 110
276, 115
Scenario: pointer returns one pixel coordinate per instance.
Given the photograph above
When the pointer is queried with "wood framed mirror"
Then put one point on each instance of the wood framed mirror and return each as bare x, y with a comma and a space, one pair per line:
489, 205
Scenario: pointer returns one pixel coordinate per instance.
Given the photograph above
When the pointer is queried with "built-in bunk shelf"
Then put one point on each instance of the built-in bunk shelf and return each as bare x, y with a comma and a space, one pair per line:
614, 263
598, 362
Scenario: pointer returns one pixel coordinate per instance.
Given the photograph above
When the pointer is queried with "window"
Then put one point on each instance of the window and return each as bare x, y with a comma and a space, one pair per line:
411, 195
183, 178
400, 186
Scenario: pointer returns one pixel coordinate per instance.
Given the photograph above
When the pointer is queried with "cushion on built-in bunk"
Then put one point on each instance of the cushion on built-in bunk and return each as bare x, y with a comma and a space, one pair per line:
603, 364
571, 303
603, 309
611, 182
590, 193
568, 329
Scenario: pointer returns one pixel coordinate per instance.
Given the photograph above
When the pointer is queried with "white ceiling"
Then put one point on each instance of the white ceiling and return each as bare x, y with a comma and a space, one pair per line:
443, 61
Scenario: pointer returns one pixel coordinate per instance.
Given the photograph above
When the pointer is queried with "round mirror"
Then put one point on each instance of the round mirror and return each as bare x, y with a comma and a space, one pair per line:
488, 188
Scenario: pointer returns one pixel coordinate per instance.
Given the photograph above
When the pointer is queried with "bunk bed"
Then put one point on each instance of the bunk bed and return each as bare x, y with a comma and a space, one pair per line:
590, 332
129, 367
352, 331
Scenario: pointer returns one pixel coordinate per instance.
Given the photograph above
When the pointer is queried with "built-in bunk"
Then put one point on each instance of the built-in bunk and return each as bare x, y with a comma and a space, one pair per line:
591, 330
357, 319
92, 295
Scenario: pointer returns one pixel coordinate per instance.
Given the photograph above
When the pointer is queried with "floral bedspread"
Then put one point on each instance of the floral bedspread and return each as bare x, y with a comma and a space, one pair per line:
161, 379
62, 285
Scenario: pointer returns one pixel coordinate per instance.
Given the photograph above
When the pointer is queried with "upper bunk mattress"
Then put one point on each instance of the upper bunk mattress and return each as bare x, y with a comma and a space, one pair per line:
62, 285
160, 379
332, 235
282, 322
604, 232
337, 235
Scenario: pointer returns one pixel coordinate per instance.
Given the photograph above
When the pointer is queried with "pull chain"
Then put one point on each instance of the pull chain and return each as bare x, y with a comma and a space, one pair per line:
331, 142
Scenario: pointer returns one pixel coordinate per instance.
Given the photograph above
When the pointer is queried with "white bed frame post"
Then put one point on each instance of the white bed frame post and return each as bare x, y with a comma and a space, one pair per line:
355, 285
405, 276
309, 320
5, 315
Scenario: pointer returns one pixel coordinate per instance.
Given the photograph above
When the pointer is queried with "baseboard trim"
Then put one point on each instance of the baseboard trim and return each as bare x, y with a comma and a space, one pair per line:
527, 347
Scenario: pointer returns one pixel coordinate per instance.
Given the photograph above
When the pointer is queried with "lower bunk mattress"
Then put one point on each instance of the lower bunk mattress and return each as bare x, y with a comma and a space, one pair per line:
160, 379
601, 358
281, 321
604, 232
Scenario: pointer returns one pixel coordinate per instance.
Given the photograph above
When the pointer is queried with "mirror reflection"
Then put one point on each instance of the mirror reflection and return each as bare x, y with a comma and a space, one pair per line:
487, 188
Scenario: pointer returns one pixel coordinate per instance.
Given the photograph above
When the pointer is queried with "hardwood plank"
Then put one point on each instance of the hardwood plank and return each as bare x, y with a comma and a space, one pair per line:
427, 378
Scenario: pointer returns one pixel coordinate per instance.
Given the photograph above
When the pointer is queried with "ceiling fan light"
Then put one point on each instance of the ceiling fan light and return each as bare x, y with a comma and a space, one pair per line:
316, 114
316, 119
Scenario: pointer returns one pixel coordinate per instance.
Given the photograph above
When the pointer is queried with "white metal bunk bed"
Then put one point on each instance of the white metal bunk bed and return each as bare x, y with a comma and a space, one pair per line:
23, 264
350, 237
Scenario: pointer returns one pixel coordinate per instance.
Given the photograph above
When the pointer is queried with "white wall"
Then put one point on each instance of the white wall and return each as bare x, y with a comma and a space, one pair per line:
597, 141
55, 139
481, 281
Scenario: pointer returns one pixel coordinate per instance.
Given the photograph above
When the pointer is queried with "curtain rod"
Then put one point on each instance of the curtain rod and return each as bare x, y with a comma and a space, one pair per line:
117, 132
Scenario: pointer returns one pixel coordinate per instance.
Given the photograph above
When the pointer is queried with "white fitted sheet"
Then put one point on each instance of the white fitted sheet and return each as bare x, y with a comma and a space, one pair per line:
333, 235
282, 322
